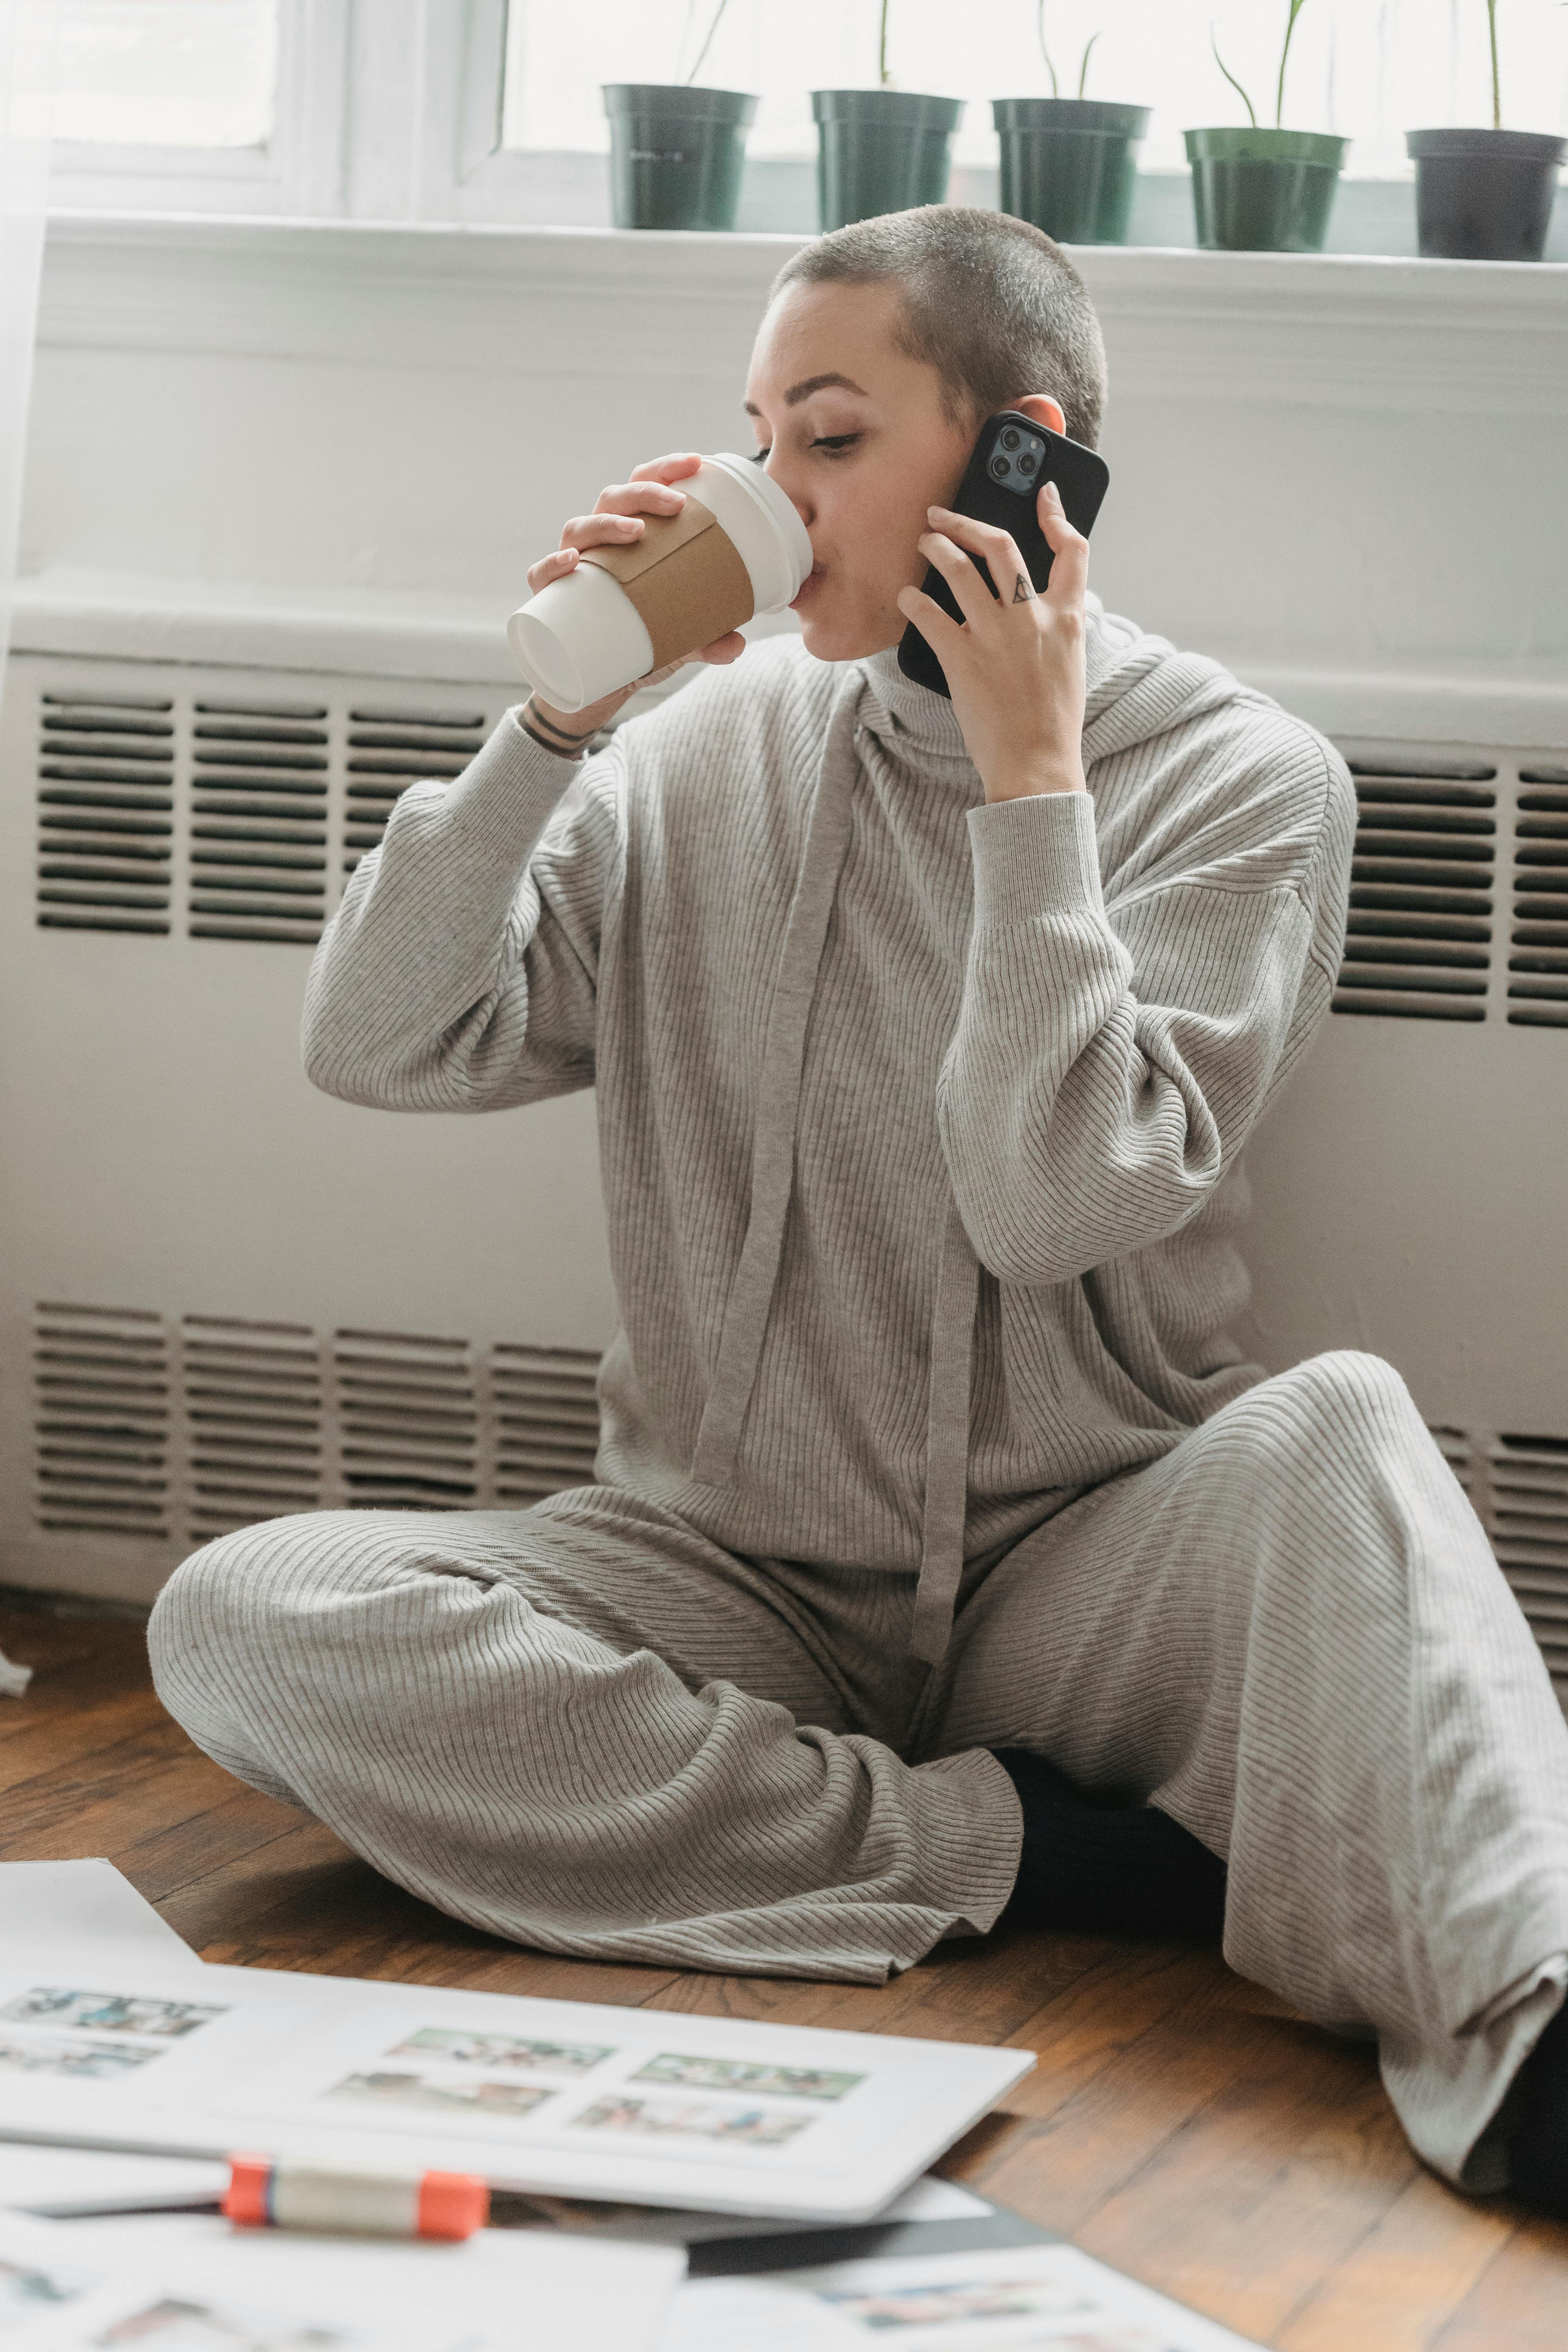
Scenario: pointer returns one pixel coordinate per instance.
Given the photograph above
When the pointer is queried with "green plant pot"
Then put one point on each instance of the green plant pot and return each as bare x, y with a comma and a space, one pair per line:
1484, 195
880, 151
675, 154
1264, 190
1069, 164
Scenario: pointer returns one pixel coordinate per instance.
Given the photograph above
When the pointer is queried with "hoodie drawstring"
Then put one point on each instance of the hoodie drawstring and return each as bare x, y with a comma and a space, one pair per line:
773, 1177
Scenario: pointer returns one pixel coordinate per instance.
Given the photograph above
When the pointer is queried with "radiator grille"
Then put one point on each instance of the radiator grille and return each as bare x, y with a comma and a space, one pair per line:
409, 1430
1538, 958
546, 1411
389, 751
100, 1423
1419, 935
252, 1396
259, 821
106, 777
1528, 1528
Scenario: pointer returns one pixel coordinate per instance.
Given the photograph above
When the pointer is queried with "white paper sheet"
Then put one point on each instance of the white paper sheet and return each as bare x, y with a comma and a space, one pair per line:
651, 2225
14, 1679
67, 2180
49, 1905
188, 2285
1019, 2300
580, 2100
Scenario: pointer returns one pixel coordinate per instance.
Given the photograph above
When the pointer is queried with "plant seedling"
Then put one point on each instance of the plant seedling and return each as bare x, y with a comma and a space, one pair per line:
1295, 7
1045, 52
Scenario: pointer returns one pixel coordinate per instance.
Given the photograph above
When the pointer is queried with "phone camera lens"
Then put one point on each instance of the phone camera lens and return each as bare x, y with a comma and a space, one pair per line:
999, 468
1010, 437
1029, 461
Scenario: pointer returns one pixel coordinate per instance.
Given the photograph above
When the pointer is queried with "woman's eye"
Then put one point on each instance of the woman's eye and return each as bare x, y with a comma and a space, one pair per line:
760, 457
836, 443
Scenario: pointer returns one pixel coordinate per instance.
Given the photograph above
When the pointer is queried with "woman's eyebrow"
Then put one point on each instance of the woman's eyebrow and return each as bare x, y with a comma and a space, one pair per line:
803, 391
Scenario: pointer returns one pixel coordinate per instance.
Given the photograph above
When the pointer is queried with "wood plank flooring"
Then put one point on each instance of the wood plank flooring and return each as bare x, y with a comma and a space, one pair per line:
1180, 2123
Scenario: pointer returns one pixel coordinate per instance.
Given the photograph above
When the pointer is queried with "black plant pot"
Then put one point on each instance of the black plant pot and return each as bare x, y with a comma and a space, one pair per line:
676, 154
1069, 164
880, 151
1484, 195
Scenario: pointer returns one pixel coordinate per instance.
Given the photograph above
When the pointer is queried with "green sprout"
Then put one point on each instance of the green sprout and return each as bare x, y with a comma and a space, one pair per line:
1497, 85
883, 75
1050, 69
703, 52
1295, 7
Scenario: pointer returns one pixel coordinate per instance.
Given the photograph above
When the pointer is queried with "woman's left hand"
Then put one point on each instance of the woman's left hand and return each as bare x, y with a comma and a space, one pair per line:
1015, 667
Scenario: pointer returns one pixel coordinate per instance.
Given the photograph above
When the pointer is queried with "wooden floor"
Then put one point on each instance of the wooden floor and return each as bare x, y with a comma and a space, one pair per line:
1180, 2123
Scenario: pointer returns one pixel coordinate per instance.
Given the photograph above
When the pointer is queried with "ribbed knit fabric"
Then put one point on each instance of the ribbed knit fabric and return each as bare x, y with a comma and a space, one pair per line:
921, 1124
918, 1116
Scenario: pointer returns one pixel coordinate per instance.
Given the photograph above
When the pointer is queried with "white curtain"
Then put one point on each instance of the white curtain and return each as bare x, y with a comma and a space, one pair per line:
27, 62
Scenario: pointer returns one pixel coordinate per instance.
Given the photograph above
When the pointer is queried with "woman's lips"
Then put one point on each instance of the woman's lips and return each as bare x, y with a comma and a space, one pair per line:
807, 588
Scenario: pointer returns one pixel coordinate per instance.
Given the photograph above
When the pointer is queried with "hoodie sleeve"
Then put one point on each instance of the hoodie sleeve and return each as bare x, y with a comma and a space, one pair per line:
459, 972
1115, 1045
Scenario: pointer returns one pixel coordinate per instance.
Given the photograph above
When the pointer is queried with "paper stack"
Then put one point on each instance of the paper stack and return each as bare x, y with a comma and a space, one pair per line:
783, 2165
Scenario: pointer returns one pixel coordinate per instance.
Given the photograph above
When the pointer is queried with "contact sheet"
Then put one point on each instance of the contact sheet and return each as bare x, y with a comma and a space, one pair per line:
537, 2095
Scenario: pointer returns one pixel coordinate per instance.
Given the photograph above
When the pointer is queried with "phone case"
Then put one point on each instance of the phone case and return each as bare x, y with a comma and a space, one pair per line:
1080, 475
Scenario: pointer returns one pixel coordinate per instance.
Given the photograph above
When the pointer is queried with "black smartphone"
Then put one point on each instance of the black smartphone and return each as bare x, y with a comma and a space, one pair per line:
1001, 483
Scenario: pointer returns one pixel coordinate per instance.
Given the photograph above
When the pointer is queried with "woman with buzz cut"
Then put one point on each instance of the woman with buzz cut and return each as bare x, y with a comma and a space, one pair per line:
946, 1565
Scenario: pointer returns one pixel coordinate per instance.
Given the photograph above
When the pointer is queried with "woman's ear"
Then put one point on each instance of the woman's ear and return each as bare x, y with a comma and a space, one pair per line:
1043, 409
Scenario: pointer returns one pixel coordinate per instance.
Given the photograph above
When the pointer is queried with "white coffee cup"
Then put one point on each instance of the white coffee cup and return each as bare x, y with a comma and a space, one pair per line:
591, 633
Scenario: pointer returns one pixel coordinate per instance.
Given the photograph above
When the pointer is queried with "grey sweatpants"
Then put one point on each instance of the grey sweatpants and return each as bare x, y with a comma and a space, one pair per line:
586, 1727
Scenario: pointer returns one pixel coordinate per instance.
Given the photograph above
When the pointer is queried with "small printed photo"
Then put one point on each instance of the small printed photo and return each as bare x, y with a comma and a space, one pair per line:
86, 2061
496, 2051
745, 2074
172, 2324
944, 2303
390, 2090
108, 2012
685, 2119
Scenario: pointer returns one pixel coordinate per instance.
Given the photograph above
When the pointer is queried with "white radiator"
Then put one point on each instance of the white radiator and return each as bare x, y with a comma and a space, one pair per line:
225, 1296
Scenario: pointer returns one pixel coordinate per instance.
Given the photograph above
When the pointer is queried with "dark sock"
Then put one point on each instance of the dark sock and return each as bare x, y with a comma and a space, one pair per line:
1538, 2151
1095, 1868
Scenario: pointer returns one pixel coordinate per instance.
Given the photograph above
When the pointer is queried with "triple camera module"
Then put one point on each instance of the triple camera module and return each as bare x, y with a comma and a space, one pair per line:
1017, 459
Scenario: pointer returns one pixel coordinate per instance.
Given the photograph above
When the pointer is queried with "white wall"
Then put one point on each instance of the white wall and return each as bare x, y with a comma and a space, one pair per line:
1332, 472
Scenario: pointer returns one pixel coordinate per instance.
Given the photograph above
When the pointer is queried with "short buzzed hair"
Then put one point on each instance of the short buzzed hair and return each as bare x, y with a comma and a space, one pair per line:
990, 302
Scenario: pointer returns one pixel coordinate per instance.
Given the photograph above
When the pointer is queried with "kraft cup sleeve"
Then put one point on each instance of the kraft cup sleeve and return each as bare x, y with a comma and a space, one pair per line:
685, 577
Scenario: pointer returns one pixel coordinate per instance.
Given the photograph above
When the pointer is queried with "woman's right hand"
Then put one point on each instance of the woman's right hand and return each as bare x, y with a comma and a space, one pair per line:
617, 520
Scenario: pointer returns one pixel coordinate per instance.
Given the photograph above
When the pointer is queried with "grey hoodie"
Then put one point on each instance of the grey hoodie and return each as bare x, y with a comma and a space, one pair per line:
921, 1119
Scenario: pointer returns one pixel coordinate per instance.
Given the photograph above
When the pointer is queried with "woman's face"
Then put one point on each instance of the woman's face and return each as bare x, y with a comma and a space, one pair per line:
858, 438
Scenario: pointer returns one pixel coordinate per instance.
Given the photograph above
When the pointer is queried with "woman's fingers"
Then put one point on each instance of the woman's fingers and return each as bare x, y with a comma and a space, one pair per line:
970, 591
640, 498
724, 649
938, 628
1069, 552
668, 469
1006, 566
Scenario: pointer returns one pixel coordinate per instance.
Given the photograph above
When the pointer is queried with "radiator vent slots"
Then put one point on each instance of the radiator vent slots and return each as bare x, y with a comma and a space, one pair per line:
547, 1421
1528, 1528
389, 751
1538, 958
252, 1395
100, 1423
106, 776
259, 821
409, 1432
1419, 936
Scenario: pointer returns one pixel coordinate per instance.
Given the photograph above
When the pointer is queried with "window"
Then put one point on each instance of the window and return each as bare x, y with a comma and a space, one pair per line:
1368, 68
489, 109
167, 73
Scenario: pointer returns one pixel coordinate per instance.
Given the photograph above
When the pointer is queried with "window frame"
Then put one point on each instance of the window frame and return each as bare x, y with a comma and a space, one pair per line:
299, 171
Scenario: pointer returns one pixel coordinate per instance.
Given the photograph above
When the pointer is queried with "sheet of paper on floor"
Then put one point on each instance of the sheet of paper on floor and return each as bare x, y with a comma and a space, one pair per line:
573, 2098
929, 2199
1025, 2299
53, 1905
183, 2285
67, 2180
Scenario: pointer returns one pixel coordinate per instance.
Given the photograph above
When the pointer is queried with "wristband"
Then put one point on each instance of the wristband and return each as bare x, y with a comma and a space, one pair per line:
533, 721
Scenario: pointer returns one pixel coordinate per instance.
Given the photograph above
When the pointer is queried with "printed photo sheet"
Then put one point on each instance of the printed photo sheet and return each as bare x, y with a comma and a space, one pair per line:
604, 2103
44, 1905
1030, 2299
188, 2285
